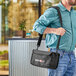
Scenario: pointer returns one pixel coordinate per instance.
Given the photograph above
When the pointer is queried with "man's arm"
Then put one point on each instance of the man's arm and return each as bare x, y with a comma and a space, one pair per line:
41, 25
58, 31
44, 20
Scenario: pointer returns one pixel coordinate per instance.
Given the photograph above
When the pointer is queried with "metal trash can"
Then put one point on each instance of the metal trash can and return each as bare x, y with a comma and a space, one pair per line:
19, 58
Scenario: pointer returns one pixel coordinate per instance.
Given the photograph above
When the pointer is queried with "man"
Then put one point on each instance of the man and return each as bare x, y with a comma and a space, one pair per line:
49, 24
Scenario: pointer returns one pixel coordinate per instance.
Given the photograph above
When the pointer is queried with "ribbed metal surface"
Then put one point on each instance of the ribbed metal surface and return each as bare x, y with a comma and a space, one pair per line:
19, 58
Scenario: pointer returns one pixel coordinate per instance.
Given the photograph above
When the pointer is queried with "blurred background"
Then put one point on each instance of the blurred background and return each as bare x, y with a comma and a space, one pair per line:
16, 20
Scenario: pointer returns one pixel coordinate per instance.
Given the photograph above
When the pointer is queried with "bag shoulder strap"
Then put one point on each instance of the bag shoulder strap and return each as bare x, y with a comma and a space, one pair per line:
40, 35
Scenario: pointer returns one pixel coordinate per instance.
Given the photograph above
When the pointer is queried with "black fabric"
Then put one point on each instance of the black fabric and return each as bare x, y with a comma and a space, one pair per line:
46, 59
60, 17
39, 40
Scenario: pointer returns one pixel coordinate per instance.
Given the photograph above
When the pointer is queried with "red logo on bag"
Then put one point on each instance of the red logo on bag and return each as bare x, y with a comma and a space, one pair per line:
39, 60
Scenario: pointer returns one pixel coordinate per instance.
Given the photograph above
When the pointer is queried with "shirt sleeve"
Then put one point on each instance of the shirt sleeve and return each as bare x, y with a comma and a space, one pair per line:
44, 20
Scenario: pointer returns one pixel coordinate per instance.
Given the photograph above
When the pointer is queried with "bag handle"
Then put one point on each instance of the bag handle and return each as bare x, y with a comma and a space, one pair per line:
40, 35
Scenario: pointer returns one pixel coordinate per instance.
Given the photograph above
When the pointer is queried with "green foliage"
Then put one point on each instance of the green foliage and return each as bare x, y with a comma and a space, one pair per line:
57, 1
49, 4
3, 52
75, 7
4, 63
22, 25
1, 1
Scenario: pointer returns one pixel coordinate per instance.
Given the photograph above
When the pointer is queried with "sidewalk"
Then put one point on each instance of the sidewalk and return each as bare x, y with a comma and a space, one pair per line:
4, 73
3, 47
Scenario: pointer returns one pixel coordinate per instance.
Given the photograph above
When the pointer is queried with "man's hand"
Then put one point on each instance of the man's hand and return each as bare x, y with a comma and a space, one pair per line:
60, 31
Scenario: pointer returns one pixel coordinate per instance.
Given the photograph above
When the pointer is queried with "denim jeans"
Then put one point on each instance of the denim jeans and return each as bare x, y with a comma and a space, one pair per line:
66, 66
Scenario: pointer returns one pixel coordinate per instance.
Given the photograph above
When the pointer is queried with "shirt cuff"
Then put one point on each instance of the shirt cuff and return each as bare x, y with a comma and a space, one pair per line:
40, 29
